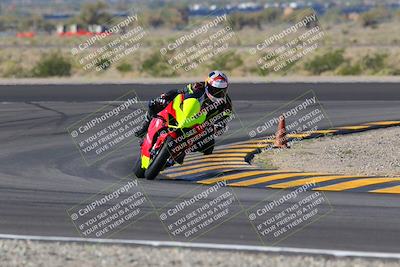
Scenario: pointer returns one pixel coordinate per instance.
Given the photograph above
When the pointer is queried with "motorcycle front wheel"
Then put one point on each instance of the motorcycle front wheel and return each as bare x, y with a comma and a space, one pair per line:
137, 169
159, 161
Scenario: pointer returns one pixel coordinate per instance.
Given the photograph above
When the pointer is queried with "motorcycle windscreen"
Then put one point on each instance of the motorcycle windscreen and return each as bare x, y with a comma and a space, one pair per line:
188, 112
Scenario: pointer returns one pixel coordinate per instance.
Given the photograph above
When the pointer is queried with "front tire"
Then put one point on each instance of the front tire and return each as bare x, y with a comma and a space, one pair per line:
159, 162
137, 169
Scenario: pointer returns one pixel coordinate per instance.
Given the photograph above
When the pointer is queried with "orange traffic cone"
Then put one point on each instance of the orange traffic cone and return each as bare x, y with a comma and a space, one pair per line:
280, 136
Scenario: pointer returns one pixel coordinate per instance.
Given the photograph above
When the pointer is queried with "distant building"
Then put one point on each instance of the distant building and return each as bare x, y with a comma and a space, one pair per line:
77, 30
288, 11
353, 16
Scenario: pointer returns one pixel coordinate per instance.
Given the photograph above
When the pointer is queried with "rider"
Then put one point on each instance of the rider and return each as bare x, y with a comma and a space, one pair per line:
213, 90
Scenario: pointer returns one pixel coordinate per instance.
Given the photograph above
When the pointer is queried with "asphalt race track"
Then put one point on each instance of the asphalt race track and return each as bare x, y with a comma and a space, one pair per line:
42, 173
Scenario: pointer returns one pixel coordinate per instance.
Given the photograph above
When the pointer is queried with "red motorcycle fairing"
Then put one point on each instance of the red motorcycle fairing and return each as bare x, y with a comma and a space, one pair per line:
156, 125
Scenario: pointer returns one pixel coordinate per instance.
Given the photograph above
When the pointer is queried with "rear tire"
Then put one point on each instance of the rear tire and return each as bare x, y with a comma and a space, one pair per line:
159, 162
137, 169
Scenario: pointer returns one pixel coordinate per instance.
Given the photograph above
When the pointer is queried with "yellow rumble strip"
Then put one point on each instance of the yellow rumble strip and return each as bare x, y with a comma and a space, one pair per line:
213, 156
298, 135
197, 166
274, 178
200, 170
232, 158
356, 183
248, 146
217, 158
239, 176
359, 127
239, 150
389, 190
384, 123
317, 179
324, 131
257, 141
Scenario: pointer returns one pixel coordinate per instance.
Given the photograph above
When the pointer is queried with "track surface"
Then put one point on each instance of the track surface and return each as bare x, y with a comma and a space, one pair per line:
42, 173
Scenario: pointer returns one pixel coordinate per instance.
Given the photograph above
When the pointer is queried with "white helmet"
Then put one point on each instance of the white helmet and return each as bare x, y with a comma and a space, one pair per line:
216, 86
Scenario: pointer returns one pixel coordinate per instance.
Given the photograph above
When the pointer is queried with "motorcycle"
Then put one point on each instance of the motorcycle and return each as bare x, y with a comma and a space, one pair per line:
180, 128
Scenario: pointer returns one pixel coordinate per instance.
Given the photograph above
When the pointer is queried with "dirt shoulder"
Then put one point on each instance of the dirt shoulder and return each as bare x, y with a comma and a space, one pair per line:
375, 152
27, 253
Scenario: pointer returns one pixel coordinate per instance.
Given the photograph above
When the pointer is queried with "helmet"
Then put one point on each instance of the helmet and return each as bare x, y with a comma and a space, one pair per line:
216, 86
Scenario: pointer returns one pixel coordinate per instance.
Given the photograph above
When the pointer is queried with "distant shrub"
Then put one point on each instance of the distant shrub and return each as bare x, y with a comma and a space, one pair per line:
170, 17
348, 69
103, 64
373, 17
226, 62
258, 71
124, 67
93, 13
374, 63
271, 14
333, 15
155, 65
389, 71
52, 65
299, 15
240, 20
326, 62
255, 19
12, 69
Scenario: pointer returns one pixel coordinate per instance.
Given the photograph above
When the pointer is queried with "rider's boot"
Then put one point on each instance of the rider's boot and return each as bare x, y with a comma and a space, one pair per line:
170, 162
180, 158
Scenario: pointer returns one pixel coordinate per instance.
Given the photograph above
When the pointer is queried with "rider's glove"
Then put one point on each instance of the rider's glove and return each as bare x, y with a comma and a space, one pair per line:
165, 98
159, 101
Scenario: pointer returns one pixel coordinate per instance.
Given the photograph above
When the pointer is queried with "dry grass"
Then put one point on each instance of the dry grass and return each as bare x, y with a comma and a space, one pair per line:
17, 54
